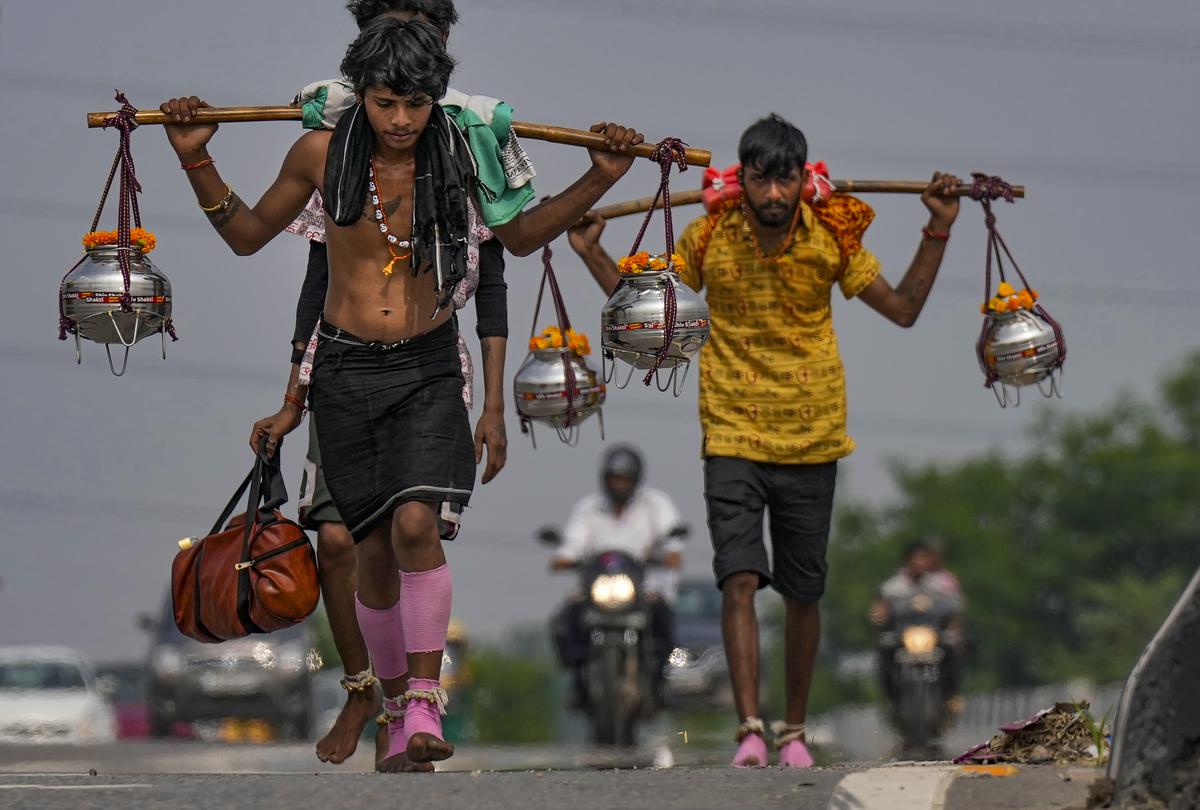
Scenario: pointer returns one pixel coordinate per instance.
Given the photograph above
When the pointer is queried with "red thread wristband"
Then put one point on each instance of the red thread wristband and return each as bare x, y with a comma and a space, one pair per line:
291, 400
187, 167
940, 236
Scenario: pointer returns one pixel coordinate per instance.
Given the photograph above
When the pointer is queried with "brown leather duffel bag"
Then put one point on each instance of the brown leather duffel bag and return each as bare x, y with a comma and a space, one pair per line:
256, 575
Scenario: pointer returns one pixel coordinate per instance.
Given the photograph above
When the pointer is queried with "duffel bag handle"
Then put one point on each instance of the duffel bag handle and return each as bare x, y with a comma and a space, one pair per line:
274, 496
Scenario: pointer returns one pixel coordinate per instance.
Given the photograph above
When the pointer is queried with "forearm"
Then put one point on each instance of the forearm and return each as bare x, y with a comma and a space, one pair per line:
494, 350
602, 267
913, 290
232, 220
295, 389
542, 224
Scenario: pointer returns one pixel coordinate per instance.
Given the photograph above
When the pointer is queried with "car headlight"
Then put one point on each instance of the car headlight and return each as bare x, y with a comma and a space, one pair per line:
167, 661
613, 590
920, 640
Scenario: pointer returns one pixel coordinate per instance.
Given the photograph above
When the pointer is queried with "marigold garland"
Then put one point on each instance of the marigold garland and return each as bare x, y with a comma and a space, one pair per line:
642, 262
1008, 299
552, 338
137, 236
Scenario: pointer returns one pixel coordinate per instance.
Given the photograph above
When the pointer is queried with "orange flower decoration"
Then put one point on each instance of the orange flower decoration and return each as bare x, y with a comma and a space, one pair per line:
643, 262
141, 237
552, 338
1009, 299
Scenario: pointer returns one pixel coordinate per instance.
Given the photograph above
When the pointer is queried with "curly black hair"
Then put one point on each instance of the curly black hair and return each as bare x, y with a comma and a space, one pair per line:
408, 58
440, 13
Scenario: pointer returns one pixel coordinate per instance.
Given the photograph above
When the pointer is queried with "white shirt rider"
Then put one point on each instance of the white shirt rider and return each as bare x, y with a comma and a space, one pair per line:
649, 515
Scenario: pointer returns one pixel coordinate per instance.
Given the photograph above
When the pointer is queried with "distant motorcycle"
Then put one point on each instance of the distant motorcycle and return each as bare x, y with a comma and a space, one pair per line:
616, 618
915, 644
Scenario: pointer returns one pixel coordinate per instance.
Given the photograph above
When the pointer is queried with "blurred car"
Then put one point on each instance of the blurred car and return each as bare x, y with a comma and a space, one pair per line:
696, 673
50, 695
697, 676
261, 677
124, 685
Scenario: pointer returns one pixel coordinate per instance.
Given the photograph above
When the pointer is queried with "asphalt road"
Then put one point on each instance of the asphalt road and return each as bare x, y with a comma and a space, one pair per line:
175, 775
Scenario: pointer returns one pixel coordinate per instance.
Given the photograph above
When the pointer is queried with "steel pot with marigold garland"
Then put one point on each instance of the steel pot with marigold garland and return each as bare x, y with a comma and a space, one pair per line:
634, 320
652, 320
114, 294
99, 302
555, 385
1020, 344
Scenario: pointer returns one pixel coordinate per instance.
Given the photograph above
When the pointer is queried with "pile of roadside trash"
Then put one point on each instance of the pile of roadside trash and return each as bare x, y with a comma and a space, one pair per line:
1065, 734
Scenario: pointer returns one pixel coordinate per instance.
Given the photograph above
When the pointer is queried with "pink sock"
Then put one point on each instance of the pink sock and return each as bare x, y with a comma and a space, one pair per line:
751, 753
795, 754
422, 715
425, 609
383, 631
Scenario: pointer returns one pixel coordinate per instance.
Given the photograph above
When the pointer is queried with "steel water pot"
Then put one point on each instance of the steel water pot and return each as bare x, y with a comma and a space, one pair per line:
91, 296
634, 320
1019, 349
540, 388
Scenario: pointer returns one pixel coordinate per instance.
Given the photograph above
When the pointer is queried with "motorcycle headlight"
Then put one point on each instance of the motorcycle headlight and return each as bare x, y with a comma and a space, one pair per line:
919, 640
613, 590
167, 661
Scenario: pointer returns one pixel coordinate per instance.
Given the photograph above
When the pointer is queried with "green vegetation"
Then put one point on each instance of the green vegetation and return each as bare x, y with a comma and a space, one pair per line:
1070, 554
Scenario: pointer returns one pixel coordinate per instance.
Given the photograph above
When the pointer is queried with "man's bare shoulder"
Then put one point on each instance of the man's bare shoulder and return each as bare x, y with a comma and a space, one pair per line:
313, 144
306, 158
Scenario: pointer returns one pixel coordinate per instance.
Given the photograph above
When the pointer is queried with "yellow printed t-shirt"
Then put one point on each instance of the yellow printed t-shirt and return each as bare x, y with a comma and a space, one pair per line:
772, 388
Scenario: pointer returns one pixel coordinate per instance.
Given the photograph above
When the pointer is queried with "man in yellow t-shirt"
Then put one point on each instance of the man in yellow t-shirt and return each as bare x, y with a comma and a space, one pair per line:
772, 392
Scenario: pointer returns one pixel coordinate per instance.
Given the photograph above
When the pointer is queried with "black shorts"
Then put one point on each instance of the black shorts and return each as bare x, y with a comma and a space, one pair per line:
391, 424
799, 498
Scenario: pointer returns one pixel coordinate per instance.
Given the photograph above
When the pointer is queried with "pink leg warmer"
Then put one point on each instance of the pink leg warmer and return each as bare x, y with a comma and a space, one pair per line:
383, 631
425, 608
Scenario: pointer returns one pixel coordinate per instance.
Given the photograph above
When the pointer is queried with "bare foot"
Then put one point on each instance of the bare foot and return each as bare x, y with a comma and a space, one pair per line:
426, 748
340, 743
400, 763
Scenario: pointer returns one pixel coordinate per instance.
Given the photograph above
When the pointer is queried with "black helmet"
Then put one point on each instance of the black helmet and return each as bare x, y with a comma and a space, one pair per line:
622, 460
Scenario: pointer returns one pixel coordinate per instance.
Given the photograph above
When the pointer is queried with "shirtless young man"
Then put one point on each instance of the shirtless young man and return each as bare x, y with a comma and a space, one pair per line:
485, 285
393, 431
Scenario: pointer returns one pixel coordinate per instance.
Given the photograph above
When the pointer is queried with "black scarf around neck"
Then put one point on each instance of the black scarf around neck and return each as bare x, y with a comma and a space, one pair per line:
445, 177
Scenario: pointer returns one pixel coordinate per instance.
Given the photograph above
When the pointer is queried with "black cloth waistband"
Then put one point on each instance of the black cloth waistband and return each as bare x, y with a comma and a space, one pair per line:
448, 330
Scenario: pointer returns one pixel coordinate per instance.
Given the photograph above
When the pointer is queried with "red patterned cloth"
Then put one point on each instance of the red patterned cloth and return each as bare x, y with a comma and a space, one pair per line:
721, 186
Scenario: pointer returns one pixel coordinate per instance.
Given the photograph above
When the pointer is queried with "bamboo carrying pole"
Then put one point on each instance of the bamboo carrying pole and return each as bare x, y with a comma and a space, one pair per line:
539, 132
691, 197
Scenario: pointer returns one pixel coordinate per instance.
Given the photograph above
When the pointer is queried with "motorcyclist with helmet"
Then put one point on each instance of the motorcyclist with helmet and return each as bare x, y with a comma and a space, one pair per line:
924, 581
624, 516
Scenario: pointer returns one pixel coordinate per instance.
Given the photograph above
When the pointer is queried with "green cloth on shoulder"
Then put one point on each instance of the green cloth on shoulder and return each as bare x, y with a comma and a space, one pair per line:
504, 172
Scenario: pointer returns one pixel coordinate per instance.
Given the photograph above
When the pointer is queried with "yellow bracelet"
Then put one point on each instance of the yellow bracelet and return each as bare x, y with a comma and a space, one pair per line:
223, 204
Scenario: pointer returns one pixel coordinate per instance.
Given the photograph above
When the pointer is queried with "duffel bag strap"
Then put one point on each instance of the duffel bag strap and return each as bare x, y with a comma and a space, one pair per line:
229, 507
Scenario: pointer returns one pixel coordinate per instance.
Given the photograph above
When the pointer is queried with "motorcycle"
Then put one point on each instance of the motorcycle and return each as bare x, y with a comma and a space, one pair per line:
916, 645
622, 668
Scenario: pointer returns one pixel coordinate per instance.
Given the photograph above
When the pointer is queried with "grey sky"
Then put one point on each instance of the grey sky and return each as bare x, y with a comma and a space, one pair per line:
1092, 105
